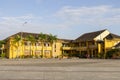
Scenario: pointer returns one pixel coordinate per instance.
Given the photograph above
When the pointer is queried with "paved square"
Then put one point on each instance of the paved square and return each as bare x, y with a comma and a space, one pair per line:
55, 69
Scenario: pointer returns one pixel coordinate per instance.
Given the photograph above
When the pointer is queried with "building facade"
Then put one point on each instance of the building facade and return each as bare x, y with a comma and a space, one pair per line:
22, 47
88, 45
93, 44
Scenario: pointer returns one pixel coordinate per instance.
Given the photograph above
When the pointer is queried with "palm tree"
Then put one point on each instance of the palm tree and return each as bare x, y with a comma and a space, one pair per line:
43, 39
16, 43
32, 40
2, 43
52, 39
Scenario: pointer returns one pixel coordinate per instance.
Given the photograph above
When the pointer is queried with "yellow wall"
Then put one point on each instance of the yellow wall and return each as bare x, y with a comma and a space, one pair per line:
19, 49
111, 43
57, 50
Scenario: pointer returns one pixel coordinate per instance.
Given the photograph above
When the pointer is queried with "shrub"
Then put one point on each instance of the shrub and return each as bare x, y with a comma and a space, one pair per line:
65, 54
22, 56
41, 56
101, 55
3, 55
113, 53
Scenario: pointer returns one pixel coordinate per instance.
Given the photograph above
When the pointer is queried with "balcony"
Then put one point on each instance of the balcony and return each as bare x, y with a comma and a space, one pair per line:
68, 48
38, 47
33, 47
47, 48
92, 46
81, 48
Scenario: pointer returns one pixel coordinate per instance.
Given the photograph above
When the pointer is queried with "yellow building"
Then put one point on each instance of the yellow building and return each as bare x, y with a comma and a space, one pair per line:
18, 46
92, 44
89, 45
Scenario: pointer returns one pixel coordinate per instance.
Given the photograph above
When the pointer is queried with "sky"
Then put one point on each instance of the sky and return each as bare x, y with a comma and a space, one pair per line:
67, 19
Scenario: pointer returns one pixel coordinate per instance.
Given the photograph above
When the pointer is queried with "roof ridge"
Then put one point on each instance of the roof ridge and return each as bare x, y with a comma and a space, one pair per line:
96, 31
90, 35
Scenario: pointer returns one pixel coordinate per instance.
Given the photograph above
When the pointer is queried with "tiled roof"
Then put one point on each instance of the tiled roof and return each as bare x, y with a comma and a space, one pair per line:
24, 34
66, 40
111, 36
89, 36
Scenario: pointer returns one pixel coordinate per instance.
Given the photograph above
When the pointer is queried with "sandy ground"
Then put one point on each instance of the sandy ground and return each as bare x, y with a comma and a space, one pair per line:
55, 69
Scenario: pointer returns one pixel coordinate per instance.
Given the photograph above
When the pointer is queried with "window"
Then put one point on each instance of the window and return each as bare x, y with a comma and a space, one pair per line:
91, 43
46, 44
55, 50
83, 44
27, 43
38, 52
65, 44
55, 46
37, 44
47, 51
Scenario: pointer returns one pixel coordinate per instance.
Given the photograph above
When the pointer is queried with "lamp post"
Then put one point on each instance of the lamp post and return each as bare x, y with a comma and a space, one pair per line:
21, 29
21, 36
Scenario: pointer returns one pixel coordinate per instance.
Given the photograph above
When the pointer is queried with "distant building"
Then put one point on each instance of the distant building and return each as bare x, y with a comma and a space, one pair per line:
88, 45
93, 44
27, 48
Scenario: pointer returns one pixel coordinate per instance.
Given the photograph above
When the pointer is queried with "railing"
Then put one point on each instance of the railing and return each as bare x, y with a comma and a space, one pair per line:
38, 47
92, 46
68, 48
81, 48
47, 48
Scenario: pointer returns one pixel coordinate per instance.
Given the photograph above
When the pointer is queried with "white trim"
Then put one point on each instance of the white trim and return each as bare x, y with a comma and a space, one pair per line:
102, 35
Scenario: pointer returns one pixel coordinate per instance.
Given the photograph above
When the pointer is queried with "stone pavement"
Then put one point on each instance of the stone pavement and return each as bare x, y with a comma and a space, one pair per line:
55, 69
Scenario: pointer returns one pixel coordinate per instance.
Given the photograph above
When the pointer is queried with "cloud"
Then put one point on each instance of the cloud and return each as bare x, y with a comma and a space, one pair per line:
97, 15
81, 11
18, 20
13, 24
63, 22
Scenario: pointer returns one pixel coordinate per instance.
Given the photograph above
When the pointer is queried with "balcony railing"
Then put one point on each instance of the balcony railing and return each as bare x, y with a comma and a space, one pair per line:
38, 47
92, 46
47, 48
68, 48
81, 48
